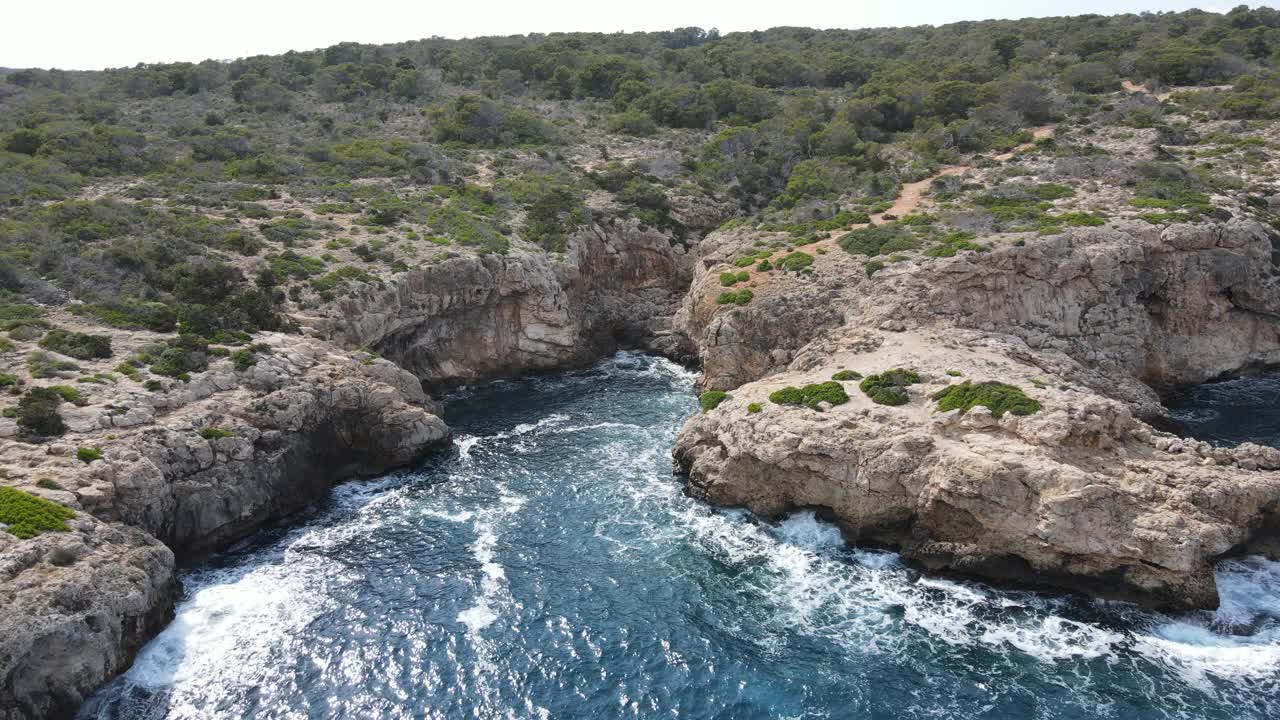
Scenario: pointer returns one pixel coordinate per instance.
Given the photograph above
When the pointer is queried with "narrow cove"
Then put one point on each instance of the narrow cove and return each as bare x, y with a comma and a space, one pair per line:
549, 565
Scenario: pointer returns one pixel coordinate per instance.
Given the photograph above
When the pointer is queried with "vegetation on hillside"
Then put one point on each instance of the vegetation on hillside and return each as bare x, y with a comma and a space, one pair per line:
211, 198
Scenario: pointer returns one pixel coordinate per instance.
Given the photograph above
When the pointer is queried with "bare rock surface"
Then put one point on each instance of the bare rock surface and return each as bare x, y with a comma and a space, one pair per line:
78, 606
470, 319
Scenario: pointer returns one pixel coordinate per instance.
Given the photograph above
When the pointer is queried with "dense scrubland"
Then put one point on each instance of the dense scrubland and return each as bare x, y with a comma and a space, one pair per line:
211, 200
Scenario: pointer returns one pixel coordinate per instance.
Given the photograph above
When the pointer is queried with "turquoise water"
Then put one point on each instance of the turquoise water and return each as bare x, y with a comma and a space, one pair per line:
547, 565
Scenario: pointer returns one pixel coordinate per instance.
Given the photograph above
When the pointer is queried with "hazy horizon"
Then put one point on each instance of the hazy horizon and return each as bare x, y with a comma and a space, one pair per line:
148, 31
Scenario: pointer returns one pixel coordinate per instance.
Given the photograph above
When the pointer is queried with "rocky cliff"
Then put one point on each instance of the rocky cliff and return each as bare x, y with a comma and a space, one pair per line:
184, 471
1080, 495
1136, 305
470, 318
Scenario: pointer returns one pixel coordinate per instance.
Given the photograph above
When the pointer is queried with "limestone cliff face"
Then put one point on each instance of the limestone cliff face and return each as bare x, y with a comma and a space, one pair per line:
735, 344
1082, 495
77, 607
1133, 302
1178, 305
298, 422
472, 318
81, 604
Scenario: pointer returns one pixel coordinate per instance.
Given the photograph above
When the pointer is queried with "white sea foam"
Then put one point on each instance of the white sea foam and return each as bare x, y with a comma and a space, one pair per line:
1197, 650
492, 581
482, 615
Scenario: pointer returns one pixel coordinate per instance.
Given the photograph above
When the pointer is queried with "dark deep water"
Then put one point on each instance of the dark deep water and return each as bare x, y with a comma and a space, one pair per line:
1245, 409
548, 566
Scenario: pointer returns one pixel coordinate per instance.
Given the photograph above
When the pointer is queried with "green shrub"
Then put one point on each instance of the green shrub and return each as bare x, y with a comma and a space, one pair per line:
754, 407
152, 385
889, 387
182, 356
873, 266
953, 242
131, 315
80, 346
764, 266
745, 261
711, 399
88, 454
38, 413
69, 394
846, 375
795, 261
739, 297
43, 365
954, 373
9, 380
128, 370
728, 279
48, 484
244, 359
346, 274
810, 395
996, 396
27, 515
213, 433
872, 240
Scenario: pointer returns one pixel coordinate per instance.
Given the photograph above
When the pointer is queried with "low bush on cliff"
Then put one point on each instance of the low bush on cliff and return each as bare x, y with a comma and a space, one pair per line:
810, 395
954, 242
43, 365
878, 239
69, 394
735, 297
995, 396
795, 261
88, 454
711, 399
37, 413
890, 386
728, 279
178, 357
27, 515
214, 433
846, 375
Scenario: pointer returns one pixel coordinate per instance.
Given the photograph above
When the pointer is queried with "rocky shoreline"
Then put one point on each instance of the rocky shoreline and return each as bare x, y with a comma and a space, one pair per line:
1083, 495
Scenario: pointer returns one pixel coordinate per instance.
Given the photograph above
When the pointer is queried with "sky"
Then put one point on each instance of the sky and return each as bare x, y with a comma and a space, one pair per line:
96, 34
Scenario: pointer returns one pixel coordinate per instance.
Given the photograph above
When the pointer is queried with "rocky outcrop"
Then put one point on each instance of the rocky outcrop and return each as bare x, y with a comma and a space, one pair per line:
197, 466
735, 345
1080, 495
472, 318
77, 607
303, 419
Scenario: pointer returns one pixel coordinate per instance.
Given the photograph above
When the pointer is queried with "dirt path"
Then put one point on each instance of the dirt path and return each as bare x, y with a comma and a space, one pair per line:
913, 194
